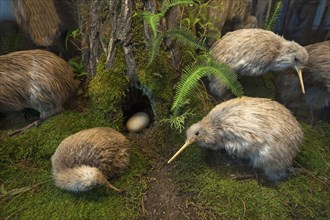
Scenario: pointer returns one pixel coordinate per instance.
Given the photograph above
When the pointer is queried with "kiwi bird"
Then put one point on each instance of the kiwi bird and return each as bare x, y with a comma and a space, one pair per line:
253, 52
257, 129
87, 159
316, 78
38, 19
35, 79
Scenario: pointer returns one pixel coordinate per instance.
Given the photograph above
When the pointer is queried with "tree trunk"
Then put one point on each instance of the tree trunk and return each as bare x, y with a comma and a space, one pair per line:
106, 26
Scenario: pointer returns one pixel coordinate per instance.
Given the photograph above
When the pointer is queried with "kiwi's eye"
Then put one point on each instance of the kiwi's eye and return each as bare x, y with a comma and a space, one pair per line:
296, 59
197, 133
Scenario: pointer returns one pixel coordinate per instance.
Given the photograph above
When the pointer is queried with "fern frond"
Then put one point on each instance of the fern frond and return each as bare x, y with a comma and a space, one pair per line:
192, 74
271, 22
187, 38
154, 47
170, 3
152, 20
177, 122
227, 76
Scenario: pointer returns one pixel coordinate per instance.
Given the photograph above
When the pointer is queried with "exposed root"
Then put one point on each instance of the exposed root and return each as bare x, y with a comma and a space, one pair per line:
243, 177
22, 130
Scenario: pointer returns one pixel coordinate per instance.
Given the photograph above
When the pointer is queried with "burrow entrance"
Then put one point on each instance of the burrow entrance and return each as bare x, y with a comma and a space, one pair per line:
138, 99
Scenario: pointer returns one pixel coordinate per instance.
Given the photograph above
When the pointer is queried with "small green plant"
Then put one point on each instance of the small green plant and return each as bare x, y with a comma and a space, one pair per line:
78, 66
76, 62
181, 35
178, 121
271, 21
184, 36
72, 35
202, 66
196, 20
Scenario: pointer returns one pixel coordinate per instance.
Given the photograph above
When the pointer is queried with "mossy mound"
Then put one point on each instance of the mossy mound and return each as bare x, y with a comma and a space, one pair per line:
107, 88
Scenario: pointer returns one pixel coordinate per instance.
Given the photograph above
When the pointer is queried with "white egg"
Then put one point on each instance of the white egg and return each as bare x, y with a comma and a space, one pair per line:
138, 122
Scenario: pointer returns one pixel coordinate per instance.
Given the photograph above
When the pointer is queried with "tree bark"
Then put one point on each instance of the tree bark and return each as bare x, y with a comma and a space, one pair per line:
94, 17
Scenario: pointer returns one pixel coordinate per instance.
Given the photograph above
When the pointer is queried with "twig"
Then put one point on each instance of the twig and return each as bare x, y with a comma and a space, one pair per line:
21, 190
242, 177
244, 209
311, 174
144, 211
325, 160
9, 216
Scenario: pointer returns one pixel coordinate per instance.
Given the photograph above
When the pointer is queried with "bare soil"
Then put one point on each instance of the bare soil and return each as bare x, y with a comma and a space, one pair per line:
162, 199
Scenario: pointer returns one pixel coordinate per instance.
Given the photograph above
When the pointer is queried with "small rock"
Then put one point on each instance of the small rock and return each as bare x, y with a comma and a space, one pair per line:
138, 122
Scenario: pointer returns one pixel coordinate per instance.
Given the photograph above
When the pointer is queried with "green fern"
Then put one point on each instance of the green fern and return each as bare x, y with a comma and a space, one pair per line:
157, 38
152, 20
271, 22
177, 122
227, 76
186, 38
154, 47
183, 36
167, 4
192, 74
72, 34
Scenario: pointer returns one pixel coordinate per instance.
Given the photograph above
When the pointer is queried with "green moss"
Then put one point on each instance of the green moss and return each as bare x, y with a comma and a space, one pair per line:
107, 88
215, 195
25, 163
315, 153
159, 78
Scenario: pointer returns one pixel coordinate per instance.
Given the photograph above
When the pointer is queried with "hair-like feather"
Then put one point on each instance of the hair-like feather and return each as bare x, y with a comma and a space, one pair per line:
253, 52
316, 78
89, 157
39, 19
257, 129
35, 79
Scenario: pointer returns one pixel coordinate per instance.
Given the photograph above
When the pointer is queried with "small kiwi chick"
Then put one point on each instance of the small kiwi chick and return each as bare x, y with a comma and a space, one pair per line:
89, 158
258, 129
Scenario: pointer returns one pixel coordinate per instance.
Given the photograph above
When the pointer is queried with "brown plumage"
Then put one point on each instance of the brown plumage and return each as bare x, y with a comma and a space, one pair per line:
39, 19
257, 129
35, 79
253, 52
316, 79
88, 158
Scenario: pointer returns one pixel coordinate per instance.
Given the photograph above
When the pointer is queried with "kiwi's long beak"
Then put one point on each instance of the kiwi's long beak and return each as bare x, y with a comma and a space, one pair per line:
103, 180
188, 142
299, 71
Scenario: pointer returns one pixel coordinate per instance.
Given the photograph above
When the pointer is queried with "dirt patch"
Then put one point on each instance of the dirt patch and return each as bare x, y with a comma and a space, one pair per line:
162, 199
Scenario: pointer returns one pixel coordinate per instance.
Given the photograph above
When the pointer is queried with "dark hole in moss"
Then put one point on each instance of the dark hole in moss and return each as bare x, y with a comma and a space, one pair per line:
136, 100
17, 119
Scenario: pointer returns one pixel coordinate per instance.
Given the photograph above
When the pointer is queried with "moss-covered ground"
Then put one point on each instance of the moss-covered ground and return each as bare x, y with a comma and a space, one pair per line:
199, 184
202, 178
27, 191
215, 194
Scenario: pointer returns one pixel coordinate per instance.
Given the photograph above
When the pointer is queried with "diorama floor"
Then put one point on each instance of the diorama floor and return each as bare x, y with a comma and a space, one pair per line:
199, 184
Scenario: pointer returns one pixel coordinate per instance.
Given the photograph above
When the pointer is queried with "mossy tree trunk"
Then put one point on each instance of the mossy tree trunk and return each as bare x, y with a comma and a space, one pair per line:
106, 25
